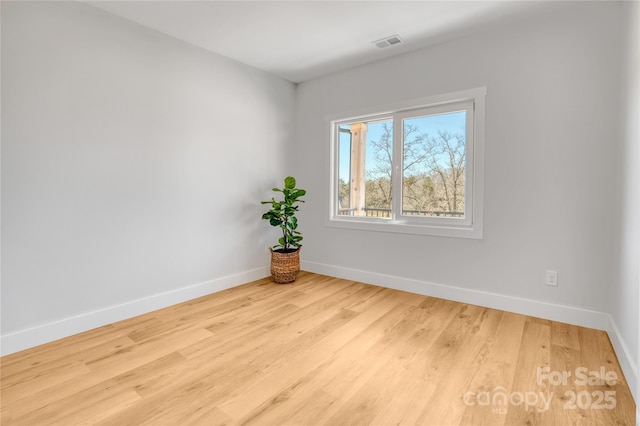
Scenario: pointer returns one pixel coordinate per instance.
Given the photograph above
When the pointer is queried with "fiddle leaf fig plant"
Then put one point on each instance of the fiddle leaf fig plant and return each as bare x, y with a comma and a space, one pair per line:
282, 214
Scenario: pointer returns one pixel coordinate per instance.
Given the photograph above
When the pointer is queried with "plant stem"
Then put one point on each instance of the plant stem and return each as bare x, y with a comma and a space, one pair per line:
284, 233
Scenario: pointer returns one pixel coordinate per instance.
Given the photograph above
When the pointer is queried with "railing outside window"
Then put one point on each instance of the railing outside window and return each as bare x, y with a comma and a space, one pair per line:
377, 212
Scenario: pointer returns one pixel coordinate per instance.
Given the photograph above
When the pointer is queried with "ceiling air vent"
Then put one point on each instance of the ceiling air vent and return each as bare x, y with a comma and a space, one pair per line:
388, 41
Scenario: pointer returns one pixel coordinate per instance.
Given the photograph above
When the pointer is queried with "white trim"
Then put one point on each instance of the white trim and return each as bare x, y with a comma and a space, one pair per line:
390, 108
627, 364
468, 107
386, 225
34, 336
472, 226
551, 311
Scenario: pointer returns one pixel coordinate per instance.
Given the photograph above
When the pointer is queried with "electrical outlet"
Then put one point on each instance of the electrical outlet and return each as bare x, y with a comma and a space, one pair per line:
552, 278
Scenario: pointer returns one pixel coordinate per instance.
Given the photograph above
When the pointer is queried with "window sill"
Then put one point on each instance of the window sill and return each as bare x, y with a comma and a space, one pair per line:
451, 231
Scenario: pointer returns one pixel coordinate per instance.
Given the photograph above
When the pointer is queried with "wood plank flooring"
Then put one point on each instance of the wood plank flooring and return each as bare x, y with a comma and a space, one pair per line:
320, 351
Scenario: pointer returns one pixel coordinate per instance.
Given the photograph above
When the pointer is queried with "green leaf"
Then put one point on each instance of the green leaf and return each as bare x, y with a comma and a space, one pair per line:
289, 182
275, 221
298, 193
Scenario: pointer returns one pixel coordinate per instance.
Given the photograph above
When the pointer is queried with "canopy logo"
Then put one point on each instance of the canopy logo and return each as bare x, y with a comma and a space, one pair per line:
499, 398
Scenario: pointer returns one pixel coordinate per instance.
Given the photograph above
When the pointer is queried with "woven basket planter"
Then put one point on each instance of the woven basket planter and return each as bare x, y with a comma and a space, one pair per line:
285, 266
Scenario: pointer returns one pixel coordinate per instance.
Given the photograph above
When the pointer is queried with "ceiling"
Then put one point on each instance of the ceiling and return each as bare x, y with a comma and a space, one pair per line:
301, 40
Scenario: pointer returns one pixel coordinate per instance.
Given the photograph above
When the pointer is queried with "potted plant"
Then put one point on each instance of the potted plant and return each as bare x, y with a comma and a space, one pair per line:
285, 256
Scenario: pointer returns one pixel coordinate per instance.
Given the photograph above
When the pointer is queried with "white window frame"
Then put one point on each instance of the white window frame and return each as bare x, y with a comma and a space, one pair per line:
472, 224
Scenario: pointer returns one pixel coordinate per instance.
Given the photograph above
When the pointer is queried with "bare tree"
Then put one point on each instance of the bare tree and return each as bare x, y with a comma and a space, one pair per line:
343, 194
378, 182
433, 171
445, 162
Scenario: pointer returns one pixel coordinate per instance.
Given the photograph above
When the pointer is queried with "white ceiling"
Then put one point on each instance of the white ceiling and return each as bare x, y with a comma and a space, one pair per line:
301, 40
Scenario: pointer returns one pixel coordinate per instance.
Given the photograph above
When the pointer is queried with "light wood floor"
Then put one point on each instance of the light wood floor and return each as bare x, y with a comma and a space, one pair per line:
319, 351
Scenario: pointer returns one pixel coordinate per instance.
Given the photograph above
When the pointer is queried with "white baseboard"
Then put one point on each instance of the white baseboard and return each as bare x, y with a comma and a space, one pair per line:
24, 339
629, 367
551, 311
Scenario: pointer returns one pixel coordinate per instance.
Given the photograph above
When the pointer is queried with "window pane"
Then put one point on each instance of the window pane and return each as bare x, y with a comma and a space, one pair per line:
434, 163
364, 169
379, 168
344, 169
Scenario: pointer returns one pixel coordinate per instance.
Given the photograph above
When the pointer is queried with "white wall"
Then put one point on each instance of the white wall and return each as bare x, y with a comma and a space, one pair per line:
551, 129
132, 167
625, 292
551, 185
625, 297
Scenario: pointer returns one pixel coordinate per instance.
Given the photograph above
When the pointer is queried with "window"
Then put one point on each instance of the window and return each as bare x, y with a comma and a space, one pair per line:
416, 168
